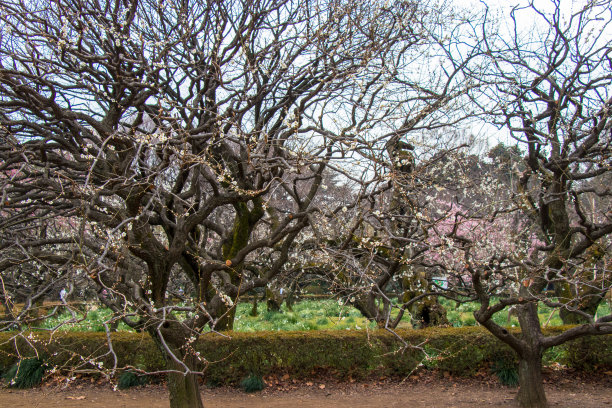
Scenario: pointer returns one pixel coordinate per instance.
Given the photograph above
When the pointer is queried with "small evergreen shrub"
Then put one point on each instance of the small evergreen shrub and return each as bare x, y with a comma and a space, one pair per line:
213, 383
322, 321
252, 383
506, 372
311, 326
557, 354
469, 321
26, 373
129, 379
271, 315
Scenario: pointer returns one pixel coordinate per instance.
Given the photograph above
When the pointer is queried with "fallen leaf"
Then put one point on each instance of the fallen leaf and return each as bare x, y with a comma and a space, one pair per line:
80, 397
285, 377
322, 386
309, 384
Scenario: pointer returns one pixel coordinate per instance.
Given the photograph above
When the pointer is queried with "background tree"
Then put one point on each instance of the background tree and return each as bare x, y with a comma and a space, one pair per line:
375, 243
378, 250
552, 93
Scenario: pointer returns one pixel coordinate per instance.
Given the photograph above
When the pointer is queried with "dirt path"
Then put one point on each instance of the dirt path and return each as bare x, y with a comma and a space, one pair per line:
438, 393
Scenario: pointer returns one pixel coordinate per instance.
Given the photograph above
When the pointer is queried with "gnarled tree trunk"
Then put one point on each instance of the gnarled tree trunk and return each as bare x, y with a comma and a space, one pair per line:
226, 316
183, 388
182, 385
531, 392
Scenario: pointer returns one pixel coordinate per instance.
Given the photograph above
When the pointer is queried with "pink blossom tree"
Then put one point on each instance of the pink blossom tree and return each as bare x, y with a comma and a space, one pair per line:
551, 92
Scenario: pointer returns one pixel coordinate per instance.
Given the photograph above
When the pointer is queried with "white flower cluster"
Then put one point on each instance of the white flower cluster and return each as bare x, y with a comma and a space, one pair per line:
226, 299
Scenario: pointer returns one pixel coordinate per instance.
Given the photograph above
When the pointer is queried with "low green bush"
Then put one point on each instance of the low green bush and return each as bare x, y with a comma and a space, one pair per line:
587, 353
129, 379
469, 321
252, 383
26, 373
506, 372
343, 353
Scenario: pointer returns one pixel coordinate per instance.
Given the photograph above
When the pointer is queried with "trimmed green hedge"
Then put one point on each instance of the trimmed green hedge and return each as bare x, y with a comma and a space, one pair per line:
358, 354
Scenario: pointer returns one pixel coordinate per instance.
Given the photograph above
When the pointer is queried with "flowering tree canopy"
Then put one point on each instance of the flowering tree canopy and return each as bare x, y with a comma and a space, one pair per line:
173, 138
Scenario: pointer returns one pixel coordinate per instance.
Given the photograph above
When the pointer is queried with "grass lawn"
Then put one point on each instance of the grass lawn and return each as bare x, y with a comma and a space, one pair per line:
306, 315
309, 315
462, 315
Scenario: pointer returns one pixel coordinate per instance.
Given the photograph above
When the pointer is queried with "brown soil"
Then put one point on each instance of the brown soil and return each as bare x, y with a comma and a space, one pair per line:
565, 389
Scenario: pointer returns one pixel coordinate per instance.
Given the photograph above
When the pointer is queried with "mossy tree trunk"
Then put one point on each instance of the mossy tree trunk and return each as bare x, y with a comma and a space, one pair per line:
183, 388
244, 223
274, 300
585, 298
226, 316
589, 303
183, 384
254, 312
427, 312
293, 293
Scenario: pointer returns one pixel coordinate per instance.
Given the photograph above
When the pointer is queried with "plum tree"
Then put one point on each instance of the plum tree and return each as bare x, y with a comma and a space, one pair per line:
184, 138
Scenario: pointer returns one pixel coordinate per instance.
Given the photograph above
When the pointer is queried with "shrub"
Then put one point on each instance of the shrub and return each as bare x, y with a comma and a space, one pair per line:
252, 383
271, 315
310, 326
469, 321
345, 353
506, 372
129, 379
557, 354
588, 353
454, 318
26, 373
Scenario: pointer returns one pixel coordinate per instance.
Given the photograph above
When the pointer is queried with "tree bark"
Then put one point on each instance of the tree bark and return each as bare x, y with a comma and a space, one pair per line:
531, 392
589, 298
183, 388
226, 317
254, 312
274, 300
